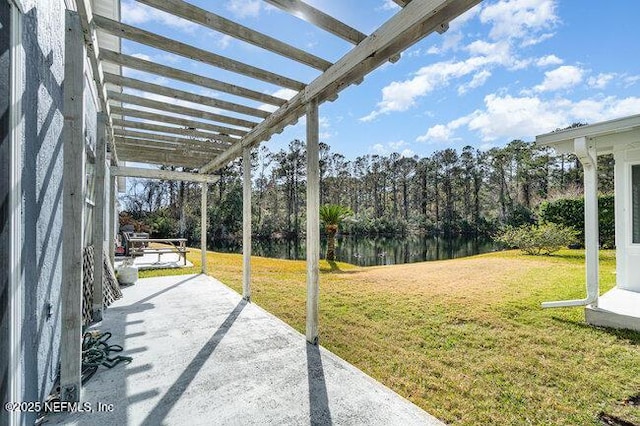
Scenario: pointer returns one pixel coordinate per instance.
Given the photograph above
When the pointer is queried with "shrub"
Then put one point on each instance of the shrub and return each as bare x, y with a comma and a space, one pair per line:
570, 212
536, 240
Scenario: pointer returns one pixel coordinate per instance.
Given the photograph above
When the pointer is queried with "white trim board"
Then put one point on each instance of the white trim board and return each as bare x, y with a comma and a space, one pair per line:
16, 283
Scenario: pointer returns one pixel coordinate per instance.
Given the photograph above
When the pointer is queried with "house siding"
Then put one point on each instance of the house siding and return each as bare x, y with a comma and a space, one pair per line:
43, 35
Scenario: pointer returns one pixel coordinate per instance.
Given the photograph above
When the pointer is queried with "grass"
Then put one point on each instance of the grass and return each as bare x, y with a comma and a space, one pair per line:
464, 339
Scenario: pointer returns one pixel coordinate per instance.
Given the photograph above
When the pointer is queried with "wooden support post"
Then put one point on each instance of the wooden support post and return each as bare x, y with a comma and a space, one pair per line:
203, 227
246, 223
113, 218
313, 221
99, 217
72, 207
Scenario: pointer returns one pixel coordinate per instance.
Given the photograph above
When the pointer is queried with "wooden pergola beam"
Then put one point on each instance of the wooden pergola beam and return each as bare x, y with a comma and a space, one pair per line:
161, 118
134, 144
320, 19
176, 109
414, 22
193, 154
192, 150
158, 157
178, 94
167, 139
215, 138
173, 73
139, 172
163, 43
218, 23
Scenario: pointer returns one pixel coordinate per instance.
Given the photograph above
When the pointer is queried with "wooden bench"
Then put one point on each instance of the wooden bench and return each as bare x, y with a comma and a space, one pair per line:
140, 247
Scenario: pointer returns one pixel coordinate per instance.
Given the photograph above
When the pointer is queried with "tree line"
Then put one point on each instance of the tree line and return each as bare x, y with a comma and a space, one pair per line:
470, 192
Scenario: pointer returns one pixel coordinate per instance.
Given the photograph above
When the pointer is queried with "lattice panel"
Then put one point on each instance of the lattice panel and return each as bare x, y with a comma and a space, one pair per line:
87, 284
110, 285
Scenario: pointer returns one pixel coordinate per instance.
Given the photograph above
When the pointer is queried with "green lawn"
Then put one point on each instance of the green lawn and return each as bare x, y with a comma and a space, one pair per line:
464, 339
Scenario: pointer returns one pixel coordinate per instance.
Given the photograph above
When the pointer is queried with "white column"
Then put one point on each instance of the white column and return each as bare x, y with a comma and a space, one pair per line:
246, 223
72, 211
313, 222
588, 157
99, 216
203, 227
586, 153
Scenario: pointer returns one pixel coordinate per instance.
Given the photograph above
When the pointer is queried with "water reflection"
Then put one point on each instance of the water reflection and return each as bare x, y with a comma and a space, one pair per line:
370, 251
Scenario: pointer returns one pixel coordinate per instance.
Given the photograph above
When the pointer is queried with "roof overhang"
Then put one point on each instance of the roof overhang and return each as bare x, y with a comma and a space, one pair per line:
605, 136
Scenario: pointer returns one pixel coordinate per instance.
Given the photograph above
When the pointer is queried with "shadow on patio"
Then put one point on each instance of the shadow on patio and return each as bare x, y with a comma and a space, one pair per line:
201, 355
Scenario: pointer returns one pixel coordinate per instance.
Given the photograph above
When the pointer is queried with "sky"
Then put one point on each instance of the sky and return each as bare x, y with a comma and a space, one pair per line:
505, 70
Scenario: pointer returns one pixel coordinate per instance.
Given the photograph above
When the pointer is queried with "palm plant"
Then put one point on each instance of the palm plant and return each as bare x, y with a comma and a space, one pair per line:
332, 216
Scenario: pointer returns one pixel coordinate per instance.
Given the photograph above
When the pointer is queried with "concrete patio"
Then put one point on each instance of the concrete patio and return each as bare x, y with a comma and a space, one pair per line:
201, 356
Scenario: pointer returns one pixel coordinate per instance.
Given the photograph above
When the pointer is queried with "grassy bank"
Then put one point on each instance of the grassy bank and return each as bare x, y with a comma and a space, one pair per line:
464, 339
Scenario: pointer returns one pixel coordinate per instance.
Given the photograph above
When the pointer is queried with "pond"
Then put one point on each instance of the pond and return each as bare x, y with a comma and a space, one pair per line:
370, 251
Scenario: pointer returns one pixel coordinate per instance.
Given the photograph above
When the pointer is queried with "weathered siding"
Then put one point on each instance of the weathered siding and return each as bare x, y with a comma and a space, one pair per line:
43, 43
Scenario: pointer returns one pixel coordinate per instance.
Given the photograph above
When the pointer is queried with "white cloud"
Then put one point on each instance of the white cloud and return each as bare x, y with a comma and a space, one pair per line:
548, 60
521, 19
478, 80
390, 147
560, 78
245, 8
601, 80
443, 133
224, 41
507, 117
631, 80
397, 145
141, 56
513, 117
452, 39
458, 23
536, 40
402, 95
378, 149
136, 13
326, 131
388, 5
437, 133
283, 93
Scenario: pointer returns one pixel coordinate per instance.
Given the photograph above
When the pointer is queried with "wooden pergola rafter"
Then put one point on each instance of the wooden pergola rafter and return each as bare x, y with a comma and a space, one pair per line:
139, 126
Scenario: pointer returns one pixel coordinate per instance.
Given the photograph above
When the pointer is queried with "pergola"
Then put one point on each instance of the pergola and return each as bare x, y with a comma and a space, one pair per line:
205, 140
